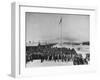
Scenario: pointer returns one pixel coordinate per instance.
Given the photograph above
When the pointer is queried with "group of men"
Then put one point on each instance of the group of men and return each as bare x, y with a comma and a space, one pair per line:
49, 53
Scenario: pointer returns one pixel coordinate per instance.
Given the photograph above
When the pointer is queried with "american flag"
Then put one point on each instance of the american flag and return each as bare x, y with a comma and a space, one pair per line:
60, 20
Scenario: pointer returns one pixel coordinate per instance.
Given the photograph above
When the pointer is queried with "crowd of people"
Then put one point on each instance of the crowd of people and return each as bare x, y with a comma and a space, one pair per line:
50, 53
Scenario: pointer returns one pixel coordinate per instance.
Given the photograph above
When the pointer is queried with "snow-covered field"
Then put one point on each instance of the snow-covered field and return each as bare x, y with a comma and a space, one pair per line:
37, 63
84, 49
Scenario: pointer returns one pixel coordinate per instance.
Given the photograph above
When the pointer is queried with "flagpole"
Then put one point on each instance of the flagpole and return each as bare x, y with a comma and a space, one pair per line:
60, 23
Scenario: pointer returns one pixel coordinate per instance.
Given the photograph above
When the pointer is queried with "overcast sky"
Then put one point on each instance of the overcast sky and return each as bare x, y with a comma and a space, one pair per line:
42, 26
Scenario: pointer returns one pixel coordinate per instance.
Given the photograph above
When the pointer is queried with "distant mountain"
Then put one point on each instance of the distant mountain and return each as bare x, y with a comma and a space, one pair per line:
72, 43
77, 43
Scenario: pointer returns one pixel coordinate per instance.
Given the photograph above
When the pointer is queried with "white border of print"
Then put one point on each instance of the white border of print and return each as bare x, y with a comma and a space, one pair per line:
18, 41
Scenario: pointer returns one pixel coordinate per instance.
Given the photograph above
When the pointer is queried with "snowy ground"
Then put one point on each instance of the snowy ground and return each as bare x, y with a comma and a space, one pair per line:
37, 63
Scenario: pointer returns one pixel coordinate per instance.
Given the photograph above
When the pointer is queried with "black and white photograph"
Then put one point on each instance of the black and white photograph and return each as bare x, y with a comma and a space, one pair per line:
54, 39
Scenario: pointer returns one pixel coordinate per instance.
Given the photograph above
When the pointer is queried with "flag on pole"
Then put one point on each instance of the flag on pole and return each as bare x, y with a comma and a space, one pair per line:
60, 20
